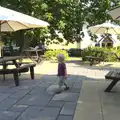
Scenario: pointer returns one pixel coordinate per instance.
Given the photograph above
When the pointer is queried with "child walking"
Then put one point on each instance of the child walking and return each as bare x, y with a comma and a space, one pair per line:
62, 72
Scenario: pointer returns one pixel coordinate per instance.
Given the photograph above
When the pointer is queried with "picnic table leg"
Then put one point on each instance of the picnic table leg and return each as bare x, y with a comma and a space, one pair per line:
4, 77
39, 60
111, 85
32, 72
16, 78
4, 67
15, 63
91, 62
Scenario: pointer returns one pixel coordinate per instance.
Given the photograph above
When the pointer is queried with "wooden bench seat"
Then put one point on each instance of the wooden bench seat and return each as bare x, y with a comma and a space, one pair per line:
114, 76
15, 71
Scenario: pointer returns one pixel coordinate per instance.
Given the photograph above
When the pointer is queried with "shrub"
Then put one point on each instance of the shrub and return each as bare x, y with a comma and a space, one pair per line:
105, 53
52, 54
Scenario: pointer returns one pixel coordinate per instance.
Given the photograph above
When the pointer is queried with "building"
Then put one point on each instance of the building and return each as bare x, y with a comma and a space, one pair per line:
108, 41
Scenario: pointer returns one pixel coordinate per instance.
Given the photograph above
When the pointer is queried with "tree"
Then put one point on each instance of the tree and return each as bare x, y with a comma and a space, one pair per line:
66, 16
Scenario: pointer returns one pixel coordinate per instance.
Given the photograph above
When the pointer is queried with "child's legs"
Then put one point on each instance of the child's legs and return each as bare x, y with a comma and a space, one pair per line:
61, 81
65, 84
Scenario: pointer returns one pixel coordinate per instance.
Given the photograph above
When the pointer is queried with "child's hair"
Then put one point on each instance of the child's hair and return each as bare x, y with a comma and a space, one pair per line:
61, 57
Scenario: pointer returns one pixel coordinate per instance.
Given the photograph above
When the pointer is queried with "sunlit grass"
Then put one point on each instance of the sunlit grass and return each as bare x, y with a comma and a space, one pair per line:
74, 58
26, 60
109, 64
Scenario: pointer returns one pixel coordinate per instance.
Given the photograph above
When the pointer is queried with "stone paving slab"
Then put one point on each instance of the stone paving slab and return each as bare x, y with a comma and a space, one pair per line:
51, 112
27, 84
31, 113
8, 115
42, 93
31, 82
4, 105
66, 96
3, 96
52, 88
35, 100
49, 78
18, 108
26, 87
45, 84
78, 84
68, 108
75, 90
70, 83
20, 94
37, 90
111, 116
8, 89
55, 103
86, 106
61, 117
38, 113
87, 115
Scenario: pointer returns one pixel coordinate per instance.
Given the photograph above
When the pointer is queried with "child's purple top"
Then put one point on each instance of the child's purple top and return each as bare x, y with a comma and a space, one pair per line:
61, 69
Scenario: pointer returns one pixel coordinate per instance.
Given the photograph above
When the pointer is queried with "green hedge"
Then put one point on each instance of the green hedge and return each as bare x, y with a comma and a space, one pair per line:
74, 52
52, 54
106, 53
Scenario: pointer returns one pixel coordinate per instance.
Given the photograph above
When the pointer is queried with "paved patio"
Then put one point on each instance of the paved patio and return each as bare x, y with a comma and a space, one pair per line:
36, 99
95, 104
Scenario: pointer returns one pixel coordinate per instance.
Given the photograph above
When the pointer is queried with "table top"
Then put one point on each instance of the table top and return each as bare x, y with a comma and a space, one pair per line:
32, 50
5, 59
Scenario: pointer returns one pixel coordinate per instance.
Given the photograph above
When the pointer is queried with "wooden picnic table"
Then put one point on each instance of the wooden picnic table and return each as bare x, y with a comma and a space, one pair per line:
19, 68
115, 77
92, 59
34, 54
13, 59
4, 62
98, 57
6, 59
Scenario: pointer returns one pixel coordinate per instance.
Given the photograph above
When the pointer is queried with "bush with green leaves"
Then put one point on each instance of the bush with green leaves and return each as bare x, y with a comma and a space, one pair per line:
52, 54
106, 53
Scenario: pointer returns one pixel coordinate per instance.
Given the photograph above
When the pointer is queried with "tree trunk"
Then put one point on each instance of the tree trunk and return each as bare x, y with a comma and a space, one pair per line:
19, 36
79, 44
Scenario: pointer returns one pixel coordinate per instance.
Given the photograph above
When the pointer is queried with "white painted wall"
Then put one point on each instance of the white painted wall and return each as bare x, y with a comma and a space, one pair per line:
86, 42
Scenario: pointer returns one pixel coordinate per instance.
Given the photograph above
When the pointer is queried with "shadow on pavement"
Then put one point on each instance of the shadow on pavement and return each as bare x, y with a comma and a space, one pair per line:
9, 81
80, 63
